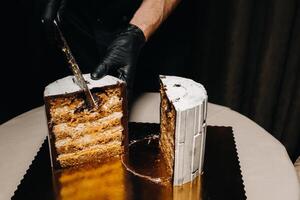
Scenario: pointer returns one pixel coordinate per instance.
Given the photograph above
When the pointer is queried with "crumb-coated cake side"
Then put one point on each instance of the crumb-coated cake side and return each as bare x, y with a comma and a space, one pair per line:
183, 113
79, 134
167, 130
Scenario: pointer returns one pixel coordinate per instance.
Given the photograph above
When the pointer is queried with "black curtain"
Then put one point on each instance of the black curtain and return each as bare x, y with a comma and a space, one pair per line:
246, 54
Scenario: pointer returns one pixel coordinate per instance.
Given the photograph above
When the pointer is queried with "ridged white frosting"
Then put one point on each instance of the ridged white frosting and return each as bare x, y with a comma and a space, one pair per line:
67, 84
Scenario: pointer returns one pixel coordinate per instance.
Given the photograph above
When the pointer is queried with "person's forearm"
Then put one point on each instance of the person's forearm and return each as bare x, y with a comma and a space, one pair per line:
151, 14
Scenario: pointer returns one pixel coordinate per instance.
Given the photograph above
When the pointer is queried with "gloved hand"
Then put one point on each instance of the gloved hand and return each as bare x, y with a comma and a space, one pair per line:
121, 56
54, 10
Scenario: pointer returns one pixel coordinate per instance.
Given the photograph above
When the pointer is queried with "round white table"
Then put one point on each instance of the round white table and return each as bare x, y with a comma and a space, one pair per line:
267, 171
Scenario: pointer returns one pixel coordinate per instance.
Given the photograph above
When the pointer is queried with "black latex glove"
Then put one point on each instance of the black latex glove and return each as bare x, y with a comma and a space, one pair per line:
121, 56
54, 10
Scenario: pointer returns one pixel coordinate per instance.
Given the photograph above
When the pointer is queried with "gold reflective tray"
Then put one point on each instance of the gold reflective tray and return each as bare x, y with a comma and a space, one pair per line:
140, 174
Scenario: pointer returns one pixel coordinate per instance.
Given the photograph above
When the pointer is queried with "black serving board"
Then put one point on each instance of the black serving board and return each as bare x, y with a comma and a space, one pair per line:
221, 179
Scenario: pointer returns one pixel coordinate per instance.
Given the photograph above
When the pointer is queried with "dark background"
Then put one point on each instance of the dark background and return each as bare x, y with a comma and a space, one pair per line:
246, 54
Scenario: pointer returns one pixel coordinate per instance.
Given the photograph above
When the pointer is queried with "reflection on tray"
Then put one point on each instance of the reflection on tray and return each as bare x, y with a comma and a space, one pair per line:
132, 177
221, 179
105, 181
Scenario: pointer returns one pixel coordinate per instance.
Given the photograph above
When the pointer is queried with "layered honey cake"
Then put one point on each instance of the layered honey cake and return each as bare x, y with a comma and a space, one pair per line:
79, 134
183, 113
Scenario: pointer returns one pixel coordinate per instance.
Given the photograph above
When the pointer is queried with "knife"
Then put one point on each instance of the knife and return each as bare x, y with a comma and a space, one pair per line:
75, 69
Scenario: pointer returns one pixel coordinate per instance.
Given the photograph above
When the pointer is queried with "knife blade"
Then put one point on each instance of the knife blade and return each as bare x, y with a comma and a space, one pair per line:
79, 79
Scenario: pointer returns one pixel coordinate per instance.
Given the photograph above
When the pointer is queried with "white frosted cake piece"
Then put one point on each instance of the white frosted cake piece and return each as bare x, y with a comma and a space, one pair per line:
79, 134
183, 127
68, 84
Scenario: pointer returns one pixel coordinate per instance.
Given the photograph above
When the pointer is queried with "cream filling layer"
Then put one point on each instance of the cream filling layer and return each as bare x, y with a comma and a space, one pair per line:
69, 110
99, 149
64, 130
70, 145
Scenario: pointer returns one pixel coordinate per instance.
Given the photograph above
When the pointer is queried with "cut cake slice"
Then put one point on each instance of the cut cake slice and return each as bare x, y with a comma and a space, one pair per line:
183, 113
78, 134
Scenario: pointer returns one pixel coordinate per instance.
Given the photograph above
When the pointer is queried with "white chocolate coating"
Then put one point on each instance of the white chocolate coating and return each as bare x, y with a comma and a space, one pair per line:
68, 85
189, 99
182, 92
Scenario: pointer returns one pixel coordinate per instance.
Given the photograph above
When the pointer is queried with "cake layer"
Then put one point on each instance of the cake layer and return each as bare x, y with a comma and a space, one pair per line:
69, 145
96, 153
67, 130
73, 110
